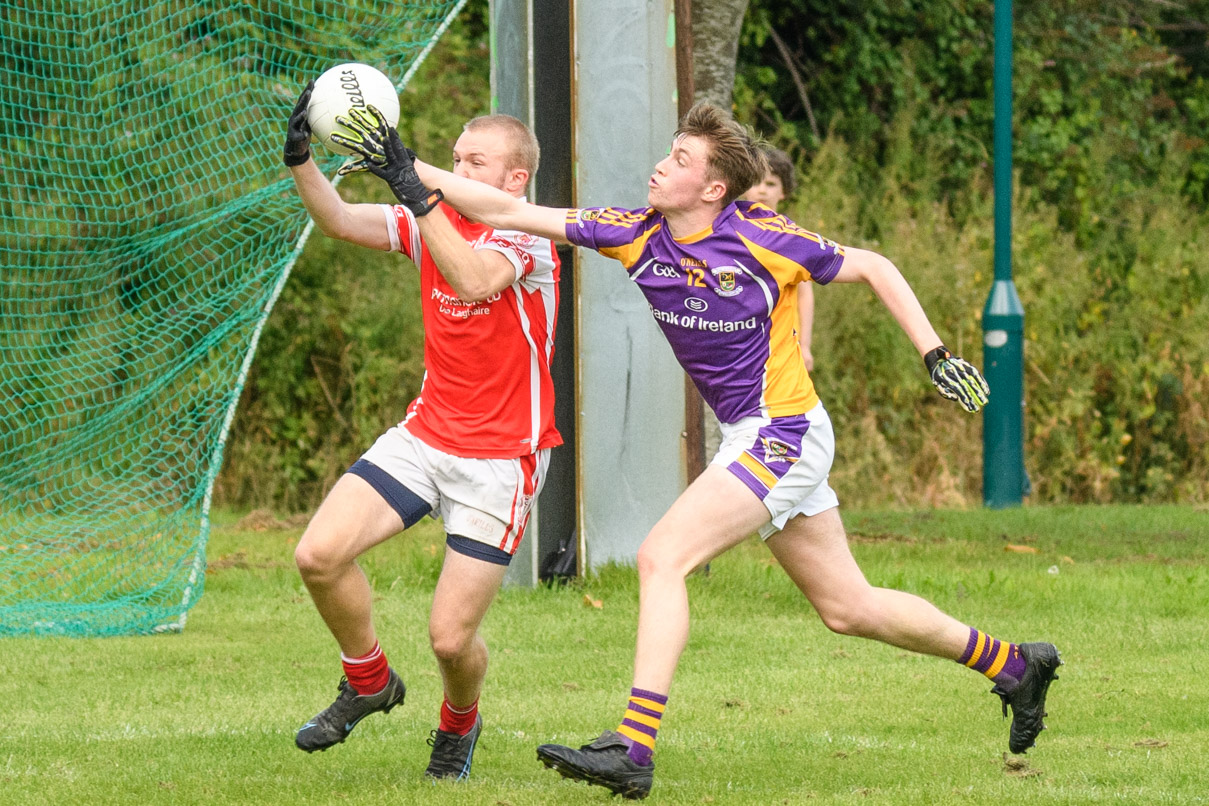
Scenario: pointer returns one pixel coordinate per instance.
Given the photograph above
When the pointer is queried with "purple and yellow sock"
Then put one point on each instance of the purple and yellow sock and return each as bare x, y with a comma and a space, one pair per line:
998, 660
641, 723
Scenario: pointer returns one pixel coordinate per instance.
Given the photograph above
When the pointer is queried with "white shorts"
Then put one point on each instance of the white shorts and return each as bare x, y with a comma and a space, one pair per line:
485, 500
784, 461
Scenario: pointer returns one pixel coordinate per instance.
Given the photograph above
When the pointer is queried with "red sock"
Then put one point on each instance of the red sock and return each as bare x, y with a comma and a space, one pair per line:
369, 673
459, 721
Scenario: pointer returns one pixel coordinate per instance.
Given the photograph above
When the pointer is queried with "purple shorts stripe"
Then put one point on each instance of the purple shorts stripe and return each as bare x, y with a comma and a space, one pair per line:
744, 475
638, 726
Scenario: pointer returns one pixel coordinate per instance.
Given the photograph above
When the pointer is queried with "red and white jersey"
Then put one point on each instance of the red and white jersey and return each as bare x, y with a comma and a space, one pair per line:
487, 391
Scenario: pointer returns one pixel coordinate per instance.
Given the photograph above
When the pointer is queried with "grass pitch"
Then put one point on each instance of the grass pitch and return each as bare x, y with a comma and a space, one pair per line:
768, 706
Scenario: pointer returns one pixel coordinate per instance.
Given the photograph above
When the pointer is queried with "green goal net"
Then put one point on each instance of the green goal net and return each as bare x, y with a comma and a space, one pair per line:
146, 227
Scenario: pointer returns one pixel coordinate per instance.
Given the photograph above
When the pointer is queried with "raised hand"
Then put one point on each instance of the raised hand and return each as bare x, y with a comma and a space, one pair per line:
383, 154
298, 133
957, 379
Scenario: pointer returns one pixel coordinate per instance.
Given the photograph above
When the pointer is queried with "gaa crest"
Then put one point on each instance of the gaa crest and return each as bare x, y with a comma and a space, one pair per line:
582, 215
727, 284
776, 451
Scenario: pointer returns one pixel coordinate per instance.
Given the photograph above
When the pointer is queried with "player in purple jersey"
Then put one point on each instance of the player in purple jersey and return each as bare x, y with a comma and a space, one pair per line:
721, 279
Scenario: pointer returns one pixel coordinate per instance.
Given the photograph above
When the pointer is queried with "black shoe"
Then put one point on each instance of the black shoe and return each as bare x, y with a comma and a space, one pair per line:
1028, 697
333, 724
605, 762
452, 753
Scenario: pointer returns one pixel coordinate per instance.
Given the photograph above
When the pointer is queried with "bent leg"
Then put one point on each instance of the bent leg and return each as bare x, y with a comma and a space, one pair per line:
352, 519
465, 590
814, 552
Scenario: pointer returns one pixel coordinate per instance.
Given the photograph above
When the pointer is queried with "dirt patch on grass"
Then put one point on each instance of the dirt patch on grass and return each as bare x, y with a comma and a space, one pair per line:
892, 537
263, 520
1018, 767
239, 560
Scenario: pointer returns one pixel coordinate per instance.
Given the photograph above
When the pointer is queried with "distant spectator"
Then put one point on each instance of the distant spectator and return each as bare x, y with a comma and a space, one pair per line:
777, 186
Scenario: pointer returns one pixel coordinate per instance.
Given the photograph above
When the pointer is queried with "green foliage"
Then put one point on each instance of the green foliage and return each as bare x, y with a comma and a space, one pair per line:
1109, 226
1088, 76
1110, 229
1117, 364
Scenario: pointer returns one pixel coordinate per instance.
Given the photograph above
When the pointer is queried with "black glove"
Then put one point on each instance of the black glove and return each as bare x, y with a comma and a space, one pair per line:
298, 133
957, 379
384, 155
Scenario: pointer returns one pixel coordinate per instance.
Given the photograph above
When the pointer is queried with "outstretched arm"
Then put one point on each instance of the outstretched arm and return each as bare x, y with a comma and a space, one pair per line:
955, 378
494, 207
475, 274
420, 186
361, 224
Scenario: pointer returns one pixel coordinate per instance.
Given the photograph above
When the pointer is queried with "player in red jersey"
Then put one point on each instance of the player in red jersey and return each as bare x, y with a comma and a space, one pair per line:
473, 448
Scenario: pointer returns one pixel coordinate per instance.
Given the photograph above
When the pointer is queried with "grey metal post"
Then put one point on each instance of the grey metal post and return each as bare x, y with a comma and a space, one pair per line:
631, 390
531, 80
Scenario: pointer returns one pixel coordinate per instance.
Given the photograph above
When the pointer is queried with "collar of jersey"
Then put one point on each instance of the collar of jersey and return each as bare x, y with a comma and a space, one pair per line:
697, 236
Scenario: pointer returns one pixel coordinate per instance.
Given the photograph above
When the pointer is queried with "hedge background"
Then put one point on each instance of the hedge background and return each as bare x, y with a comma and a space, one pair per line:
892, 138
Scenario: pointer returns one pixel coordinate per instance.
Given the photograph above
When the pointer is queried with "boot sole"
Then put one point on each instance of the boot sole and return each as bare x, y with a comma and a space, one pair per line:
574, 773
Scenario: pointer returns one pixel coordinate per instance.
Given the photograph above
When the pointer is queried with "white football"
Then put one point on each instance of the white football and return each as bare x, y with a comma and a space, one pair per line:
346, 87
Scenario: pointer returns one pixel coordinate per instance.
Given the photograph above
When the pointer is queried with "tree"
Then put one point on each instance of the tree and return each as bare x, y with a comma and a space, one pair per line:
716, 25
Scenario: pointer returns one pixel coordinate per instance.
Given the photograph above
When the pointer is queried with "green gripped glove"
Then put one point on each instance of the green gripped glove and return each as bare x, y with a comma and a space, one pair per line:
298, 133
383, 154
957, 379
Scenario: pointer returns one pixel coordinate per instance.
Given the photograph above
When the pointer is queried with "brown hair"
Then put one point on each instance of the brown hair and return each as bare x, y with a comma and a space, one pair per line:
523, 150
780, 165
734, 156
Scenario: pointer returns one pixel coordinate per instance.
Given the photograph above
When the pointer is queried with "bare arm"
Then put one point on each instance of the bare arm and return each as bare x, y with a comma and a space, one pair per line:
863, 266
955, 378
806, 323
475, 274
494, 207
361, 224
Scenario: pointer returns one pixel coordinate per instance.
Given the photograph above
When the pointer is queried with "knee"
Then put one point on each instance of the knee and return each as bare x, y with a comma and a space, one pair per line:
316, 559
654, 561
449, 644
853, 616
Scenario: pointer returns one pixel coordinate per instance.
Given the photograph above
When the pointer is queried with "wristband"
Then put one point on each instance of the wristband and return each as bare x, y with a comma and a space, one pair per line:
934, 357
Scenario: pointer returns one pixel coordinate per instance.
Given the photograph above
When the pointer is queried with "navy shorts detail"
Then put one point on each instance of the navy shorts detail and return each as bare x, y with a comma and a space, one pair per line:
477, 550
411, 507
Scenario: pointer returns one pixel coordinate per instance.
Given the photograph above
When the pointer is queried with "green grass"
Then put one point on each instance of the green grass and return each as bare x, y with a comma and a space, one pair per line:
768, 706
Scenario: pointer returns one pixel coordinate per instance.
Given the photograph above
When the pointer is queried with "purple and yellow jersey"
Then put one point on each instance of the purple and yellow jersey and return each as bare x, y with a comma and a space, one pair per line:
725, 298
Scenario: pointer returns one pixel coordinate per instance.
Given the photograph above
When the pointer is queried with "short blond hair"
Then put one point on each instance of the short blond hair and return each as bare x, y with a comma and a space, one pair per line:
735, 158
523, 151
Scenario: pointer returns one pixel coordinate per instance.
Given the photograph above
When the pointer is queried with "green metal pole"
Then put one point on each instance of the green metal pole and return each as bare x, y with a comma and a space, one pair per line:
1004, 482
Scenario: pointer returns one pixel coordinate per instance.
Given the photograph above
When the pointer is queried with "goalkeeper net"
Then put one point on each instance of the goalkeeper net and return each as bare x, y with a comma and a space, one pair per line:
146, 228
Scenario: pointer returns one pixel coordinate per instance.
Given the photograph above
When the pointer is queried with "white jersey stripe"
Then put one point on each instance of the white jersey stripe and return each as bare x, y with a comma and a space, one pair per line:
535, 372
392, 226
